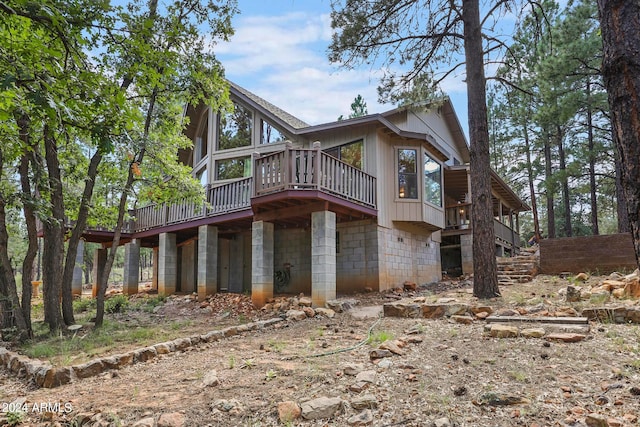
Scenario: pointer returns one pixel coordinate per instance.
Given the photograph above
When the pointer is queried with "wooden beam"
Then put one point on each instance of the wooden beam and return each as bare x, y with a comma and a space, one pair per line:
290, 212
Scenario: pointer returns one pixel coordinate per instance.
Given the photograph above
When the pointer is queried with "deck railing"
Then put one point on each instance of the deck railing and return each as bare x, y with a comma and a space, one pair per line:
221, 199
312, 169
459, 218
291, 169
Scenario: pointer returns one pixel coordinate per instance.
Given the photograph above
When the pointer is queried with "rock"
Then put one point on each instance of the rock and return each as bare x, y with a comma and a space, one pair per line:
364, 418
402, 309
482, 315
379, 354
288, 411
432, 311
464, 319
366, 401
366, 376
231, 406
322, 407
173, 419
211, 379
325, 312
352, 369
340, 306
632, 289
392, 346
442, 422
296, 315
507, 312
582, 277
482, 309
565, 337
145, 422
572, 294
596, 420
89, 369
503, 331
533, 332
309, 312
305, 302
144, 354
409, 286
359, 386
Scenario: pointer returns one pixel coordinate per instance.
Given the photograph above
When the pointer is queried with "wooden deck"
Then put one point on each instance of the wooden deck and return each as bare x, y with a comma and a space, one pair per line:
458, 219
293, 172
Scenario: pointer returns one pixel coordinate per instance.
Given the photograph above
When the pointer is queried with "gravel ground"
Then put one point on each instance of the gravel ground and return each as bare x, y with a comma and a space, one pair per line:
448, 374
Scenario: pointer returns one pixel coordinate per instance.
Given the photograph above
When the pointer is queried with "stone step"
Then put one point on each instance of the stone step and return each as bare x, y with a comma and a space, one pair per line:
548, 327
507, 260
540, 319
515, 279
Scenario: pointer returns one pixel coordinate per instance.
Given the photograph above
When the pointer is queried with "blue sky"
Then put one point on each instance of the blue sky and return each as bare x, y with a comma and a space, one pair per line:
279, 52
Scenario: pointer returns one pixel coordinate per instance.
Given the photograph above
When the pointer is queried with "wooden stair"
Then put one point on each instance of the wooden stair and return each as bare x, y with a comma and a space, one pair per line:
517, 269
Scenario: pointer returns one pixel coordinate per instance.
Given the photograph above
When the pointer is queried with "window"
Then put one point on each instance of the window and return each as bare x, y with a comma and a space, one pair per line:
238, 167
235, 128
432, 181
407, 174
202, 176
202, 140
270, 134
351, 153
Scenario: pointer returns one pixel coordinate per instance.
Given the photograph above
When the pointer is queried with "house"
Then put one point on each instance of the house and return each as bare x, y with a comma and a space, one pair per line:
363, 203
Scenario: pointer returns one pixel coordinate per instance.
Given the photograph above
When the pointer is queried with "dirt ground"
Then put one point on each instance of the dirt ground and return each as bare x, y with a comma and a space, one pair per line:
450, 375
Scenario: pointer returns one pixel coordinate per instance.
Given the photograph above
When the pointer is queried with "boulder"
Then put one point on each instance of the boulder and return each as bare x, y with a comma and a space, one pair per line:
503, 331
325, 312
322, 407
401, 309
211, 379
296, 315
533, 332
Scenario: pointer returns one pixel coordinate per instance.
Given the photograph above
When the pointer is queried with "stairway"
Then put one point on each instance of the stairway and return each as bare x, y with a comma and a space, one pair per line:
518, 269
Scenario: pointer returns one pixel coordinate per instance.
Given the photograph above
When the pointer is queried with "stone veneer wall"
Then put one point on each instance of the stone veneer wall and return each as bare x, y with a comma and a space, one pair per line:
357, 265
406, 256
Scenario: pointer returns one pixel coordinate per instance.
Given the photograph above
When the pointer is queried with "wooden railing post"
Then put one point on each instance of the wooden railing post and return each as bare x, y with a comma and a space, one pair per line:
257, 174
316, 164
287, 172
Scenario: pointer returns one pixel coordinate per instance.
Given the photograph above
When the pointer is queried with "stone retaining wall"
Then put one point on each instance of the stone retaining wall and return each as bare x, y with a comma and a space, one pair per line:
43, 374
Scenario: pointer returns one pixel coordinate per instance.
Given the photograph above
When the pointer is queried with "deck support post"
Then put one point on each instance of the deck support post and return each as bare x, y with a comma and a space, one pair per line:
262, 262
167, 264
323, 257
207, 261
154, 267
76, 281
131, 274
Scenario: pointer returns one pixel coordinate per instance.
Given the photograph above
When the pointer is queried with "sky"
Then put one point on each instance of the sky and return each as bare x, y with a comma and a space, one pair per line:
279, 52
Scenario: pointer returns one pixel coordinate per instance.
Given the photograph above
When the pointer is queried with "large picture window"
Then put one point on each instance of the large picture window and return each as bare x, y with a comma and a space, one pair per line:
351, 153
270, 134
235, 128
238, 167
432, 181
407, 174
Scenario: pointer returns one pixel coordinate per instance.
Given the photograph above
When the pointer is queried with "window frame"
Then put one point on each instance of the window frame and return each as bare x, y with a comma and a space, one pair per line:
218, 130
397, 172
426, 153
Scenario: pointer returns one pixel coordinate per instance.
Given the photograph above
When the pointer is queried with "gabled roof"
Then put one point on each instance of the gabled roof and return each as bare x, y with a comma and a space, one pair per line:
299, 127
268, 109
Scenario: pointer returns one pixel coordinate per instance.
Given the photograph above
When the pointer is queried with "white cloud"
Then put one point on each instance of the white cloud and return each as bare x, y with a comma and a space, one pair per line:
283, 59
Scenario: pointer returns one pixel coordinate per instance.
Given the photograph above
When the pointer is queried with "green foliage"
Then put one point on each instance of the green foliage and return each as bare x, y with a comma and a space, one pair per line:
116, 304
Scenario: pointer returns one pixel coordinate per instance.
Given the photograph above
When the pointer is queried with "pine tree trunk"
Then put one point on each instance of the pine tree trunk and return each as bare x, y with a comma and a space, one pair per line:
621, 208
485, 280
550, 190
620, 25
566, 206
592, 165
532, 189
